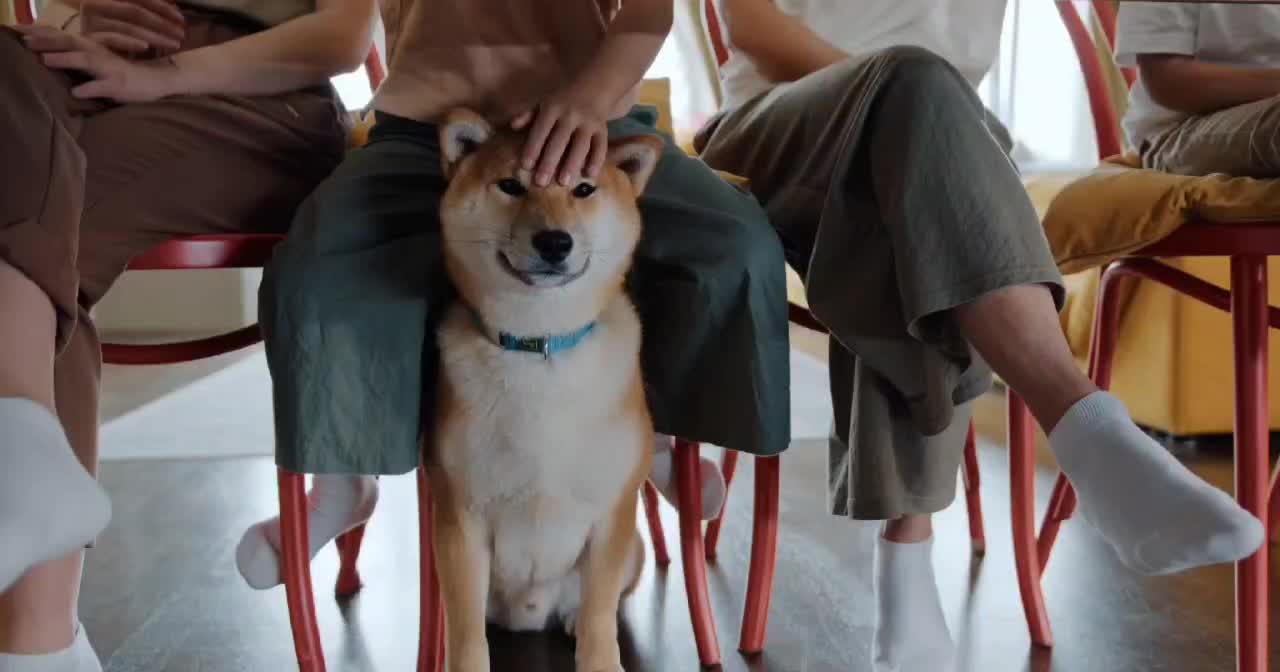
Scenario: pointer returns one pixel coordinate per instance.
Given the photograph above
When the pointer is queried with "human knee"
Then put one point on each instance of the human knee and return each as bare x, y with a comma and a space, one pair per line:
924, 75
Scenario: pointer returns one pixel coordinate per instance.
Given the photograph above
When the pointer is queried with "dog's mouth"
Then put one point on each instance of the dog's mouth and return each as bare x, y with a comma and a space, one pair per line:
541, 274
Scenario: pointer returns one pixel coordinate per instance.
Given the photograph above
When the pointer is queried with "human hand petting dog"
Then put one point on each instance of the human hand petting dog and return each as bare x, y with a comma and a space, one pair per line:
111, 76
567, 140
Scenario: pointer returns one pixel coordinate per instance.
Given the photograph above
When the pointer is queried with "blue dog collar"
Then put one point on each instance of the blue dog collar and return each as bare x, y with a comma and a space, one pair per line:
551, 344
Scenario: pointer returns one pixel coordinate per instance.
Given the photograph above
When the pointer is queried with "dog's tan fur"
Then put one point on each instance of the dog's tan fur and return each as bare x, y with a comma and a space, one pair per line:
535, 463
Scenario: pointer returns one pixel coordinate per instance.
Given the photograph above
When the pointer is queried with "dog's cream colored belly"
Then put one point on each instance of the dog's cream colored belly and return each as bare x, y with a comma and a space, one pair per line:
541, 454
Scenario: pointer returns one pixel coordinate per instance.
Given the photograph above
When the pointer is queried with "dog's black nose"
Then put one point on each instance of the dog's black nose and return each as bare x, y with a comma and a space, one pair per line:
553, 246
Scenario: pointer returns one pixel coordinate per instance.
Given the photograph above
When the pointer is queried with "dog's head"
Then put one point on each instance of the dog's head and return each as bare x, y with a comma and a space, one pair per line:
505, 236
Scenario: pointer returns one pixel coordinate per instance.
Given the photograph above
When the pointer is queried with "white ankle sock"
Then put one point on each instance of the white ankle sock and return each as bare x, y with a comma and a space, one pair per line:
911, 632
662, 475
1160, 517
79, 657
336, 504
49, 504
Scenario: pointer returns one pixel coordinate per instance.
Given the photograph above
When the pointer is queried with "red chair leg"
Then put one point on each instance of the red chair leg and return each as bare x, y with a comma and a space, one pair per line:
764, 556
973, 494
1249, 322
1102, 350
695, 562
1062, 504
297, 571
1022, 468
431, 635
1273, 510
713, 528
348, 555
649, 495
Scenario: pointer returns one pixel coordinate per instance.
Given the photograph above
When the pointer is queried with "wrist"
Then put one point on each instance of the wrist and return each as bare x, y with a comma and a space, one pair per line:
169, 76
598, 98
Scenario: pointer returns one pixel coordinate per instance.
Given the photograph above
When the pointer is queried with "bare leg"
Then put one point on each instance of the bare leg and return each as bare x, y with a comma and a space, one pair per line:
1017, 332
26, 360
52, 507
1175, 521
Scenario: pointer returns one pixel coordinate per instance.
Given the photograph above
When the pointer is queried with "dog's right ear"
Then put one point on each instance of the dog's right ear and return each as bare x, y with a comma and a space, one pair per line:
460, 136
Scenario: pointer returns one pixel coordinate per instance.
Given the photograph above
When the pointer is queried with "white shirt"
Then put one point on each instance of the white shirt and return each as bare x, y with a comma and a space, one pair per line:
1224, 34
964, 32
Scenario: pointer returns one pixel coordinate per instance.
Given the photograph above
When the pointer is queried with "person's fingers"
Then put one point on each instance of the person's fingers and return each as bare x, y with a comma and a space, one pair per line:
44, 41
98, 88
553, 152
599, 152
167, 9
54, 40
521, 120
539, 131
138, 16
571, 169
123, 44
70, 60
151, 37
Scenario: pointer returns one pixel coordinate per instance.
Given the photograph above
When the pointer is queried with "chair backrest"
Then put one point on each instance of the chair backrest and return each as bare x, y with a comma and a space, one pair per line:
25, 12
1095, 50
711, 23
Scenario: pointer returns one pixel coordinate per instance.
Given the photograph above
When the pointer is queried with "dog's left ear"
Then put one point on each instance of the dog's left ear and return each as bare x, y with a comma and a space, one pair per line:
636, 157
461, 135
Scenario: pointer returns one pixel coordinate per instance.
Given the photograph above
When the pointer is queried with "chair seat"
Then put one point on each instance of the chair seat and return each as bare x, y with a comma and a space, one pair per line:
1121, 209
1201, 238
209, 252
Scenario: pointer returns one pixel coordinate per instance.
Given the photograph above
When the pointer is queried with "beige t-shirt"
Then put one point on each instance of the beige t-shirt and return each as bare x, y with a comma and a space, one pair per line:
269, 12
495, 56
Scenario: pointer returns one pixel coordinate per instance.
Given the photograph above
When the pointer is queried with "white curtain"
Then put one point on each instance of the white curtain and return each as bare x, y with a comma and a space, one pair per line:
1038, 92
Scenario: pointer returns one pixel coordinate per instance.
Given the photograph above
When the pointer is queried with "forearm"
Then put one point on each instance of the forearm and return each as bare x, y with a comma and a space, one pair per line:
302, 52
1191, 86
781, 47
634, 39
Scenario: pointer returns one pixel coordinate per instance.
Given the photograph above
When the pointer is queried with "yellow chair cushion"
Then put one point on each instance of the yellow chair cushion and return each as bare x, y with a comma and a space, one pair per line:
1120, 208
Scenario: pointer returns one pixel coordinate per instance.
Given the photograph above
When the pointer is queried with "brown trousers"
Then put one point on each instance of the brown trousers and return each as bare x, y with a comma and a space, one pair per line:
1242, 141
85, 186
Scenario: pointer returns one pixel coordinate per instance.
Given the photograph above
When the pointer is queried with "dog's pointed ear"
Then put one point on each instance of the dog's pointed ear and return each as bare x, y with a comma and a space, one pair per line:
636, 157
461, 135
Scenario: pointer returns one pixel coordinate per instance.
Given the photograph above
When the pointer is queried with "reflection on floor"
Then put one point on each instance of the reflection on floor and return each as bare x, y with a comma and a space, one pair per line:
162, 594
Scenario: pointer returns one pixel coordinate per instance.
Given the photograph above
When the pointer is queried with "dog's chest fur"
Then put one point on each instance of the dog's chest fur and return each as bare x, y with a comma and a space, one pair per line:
540, 449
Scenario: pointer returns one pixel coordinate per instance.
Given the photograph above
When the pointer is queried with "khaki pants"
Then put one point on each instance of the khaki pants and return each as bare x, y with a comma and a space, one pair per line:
85, 186
1243, 141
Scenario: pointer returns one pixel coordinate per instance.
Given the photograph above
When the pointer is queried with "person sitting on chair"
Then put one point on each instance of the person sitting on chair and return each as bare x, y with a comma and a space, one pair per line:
1207, 99
124, 124
860, 129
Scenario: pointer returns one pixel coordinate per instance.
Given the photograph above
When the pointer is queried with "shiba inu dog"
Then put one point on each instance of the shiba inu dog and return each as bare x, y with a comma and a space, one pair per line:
543, 436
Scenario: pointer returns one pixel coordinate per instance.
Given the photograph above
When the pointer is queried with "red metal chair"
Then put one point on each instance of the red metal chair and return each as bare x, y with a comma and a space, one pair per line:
1248, 246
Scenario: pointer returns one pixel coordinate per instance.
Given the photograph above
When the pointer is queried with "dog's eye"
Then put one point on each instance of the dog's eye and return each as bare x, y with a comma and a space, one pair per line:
584, 190
512, 187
